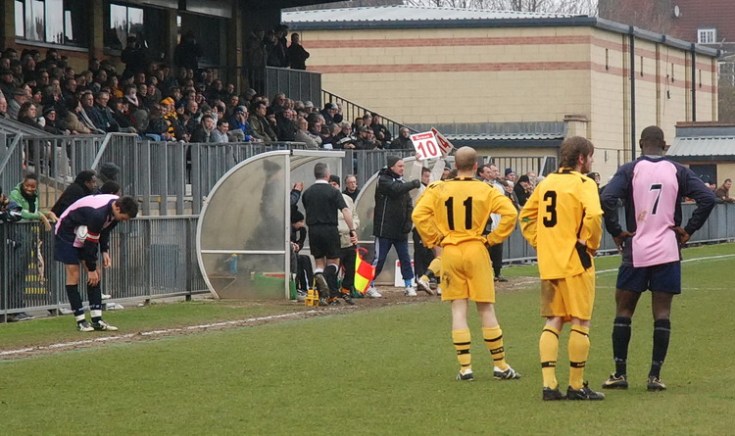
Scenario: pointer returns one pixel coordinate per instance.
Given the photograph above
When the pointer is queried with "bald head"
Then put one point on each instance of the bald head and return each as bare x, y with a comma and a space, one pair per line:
465, 160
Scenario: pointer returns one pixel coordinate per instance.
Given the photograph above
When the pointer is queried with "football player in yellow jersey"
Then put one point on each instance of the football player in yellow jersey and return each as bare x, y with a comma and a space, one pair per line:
453, 214
562, 220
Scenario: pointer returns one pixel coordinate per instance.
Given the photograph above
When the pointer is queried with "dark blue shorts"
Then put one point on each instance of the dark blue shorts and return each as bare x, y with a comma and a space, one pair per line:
65, 252
658, 278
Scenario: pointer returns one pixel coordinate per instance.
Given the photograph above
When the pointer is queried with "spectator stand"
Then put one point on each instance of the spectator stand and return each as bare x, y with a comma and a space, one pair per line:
350, 111
243, 235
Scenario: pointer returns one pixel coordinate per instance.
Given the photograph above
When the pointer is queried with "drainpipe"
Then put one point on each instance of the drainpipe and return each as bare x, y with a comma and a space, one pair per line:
694, 83
631, 47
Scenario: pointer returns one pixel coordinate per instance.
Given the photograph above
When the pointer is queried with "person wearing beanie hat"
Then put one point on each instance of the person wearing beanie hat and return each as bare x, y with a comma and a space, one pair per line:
392, 222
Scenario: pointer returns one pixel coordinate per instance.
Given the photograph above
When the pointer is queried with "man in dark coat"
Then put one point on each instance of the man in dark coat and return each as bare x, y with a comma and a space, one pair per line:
392, 221
84, 184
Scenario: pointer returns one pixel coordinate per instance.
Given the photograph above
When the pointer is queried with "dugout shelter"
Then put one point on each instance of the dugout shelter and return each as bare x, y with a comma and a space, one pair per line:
243, 236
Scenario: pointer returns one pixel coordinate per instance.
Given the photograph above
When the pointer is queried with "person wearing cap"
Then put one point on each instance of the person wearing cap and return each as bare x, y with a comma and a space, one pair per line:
392, 221
651, 187
331, 114
239, 123
308, 106
20, 96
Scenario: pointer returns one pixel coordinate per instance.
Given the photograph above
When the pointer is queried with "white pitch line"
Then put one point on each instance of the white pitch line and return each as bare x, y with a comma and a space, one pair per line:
722, 256
162, 332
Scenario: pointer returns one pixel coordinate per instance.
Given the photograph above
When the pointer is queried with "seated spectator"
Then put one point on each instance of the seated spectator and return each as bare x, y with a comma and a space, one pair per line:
158, 126
402, 141
330, 114
88, 115
723, 192
286, 127
3, 107
28, 115
239, 123
261, 128
203, 132
20, 96
382, 134
71, 120
219, 134
366, 140
51, 122
303, 135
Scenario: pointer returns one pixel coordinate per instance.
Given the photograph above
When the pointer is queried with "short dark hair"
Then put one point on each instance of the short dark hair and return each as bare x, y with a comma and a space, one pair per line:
128, 206
320, 170
85, 176
334, 179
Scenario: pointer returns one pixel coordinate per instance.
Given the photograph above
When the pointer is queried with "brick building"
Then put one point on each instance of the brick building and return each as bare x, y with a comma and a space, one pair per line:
483, 72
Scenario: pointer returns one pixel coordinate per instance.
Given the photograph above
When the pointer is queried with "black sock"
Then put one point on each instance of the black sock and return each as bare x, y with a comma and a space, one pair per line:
661, 335
330, 274
95, 302
620, 339
75, 300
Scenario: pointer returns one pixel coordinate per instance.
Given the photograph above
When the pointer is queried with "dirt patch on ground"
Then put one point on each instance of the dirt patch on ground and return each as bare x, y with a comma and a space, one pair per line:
290, 311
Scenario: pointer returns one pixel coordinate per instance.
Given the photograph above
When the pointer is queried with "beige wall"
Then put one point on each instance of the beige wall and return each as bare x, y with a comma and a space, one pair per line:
420, 76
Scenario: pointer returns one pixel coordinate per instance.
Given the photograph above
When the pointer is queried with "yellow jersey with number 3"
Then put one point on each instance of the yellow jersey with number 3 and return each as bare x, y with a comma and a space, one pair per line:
454, 211
564, 208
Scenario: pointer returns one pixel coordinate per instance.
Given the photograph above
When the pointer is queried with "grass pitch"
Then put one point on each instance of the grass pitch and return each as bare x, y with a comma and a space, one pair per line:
387, 370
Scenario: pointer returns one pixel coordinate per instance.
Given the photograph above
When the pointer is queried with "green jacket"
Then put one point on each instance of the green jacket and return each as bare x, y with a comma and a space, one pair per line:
26, 213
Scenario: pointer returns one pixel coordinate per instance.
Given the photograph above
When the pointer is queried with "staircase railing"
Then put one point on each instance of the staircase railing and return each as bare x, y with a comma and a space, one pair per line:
350, 111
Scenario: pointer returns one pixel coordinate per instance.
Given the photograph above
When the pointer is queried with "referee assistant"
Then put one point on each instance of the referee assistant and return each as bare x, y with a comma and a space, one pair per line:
321, 202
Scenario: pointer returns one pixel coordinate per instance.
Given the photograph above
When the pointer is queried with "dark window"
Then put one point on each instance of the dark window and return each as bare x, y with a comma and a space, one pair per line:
52, 21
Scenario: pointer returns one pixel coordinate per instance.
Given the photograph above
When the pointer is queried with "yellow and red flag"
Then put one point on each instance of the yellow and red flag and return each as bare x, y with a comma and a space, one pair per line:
364, 271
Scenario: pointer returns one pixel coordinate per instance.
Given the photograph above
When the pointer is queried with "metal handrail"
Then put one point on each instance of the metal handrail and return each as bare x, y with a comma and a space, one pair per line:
351, 110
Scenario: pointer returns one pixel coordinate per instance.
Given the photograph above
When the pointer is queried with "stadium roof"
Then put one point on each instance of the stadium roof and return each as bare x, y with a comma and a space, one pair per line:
702, 148
424, 17
404, 13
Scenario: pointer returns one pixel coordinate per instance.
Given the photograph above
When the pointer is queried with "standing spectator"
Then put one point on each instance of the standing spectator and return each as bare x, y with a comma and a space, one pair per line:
321, 202
392, 221
351, 189
297, 55
562, 221
489, 174
651, 188
723, 192
83, 231
523, 190
348, 249
25, 195
134, 58
84, 184
188, 52
445, 217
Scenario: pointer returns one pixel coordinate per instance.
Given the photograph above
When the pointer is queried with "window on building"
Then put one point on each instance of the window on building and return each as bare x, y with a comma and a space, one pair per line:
706, 36
52, 21
121, 22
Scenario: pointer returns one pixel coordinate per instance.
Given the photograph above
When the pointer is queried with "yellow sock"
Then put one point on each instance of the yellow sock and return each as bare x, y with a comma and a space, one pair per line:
548, 351
462, 340
579, 349
494, 342
435, 267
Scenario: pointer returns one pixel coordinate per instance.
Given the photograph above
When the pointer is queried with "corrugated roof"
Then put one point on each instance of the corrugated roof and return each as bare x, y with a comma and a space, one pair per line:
406, 13
505, 136
702, 146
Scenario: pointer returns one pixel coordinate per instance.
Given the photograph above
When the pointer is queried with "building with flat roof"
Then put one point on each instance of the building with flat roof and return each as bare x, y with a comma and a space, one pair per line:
488, 73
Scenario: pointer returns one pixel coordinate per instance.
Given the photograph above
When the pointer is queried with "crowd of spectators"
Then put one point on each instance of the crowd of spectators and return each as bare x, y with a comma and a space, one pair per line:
163, 103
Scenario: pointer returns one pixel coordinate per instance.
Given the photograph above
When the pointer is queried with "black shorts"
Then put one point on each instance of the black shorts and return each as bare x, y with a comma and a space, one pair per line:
324, 241
65, 252
657, 278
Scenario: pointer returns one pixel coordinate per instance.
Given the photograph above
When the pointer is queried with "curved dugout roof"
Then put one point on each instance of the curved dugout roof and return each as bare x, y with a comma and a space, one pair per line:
243, 233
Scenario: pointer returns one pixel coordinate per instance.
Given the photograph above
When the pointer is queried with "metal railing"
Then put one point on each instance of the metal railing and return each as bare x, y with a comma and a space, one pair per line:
152, 258
155, 257
350, 111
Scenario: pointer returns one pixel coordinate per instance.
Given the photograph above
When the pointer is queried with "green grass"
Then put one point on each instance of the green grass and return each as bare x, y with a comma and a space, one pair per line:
389, 370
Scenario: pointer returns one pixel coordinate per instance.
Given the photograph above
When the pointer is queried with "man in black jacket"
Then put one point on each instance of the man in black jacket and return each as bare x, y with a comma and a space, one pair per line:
392, 221
84, 184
